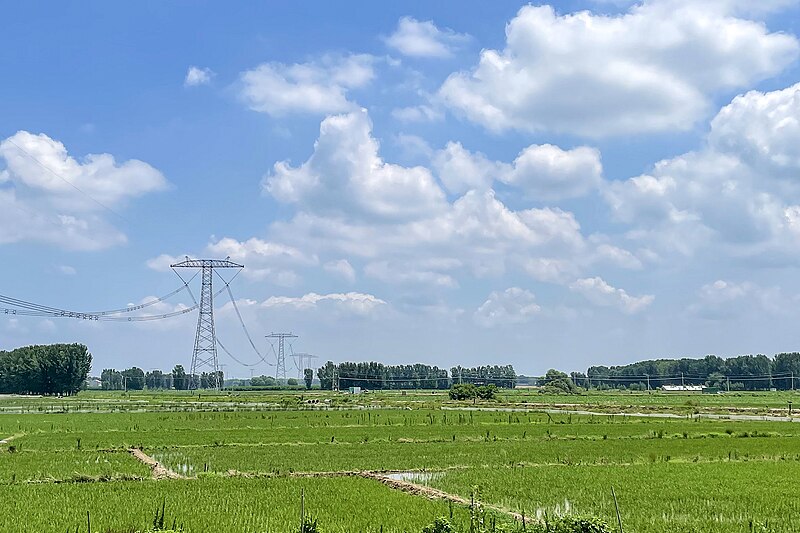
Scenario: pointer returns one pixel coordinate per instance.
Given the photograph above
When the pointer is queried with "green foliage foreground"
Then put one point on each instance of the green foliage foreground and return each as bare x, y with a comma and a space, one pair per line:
245, 451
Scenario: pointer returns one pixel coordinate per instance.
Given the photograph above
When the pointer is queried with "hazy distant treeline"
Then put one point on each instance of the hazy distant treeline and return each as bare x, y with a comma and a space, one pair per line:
745, 372
135, 378
500, 375
51, 369
377, 376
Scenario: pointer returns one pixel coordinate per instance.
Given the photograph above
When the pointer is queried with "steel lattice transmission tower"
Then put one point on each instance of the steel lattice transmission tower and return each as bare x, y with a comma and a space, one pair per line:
280, 370
205, 341
303, 360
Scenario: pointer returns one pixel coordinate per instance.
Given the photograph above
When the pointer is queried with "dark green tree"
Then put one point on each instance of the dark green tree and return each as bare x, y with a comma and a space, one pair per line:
134, 378
50, 369
179, 379
325, 374
154, 379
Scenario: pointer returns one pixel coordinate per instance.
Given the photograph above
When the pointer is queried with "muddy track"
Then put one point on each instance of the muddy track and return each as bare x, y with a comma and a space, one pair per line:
159, 471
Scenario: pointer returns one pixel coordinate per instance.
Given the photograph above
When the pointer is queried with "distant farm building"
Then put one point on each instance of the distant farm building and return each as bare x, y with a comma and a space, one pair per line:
93, 383
682, 388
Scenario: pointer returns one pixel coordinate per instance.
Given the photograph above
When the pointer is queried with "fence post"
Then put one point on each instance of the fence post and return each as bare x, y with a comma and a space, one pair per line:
616, 506
302, 507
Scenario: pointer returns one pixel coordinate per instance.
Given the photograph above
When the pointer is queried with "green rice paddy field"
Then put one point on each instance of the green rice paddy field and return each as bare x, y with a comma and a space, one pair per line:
239, 462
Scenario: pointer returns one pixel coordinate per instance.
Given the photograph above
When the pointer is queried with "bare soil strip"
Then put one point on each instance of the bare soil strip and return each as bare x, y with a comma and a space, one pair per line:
433, 494
619, 411
159, 471
9, 439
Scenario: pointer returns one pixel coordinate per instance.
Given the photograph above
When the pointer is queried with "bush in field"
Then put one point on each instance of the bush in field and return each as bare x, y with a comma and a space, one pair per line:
309, 525
468, 391
263, 381
556, 382
569, 524
440, 525
463, 391
486, 392
561, 386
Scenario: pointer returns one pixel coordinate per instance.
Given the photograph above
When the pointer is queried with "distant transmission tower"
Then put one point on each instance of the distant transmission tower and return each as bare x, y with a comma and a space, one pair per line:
280, 370
205, 341
303, 359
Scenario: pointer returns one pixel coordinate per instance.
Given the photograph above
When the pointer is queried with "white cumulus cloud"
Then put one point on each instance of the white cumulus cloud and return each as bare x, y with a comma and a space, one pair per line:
423, 39
346, 174
542, 172
600, 293
318, 87
341, 268
264, 260
198, 76
353, 302
512, 306
63, 200
739, 192
653, 68
723, 300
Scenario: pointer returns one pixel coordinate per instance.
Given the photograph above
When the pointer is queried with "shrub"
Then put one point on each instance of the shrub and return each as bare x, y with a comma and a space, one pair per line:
571, 524
486, 392
440, 525
310, 525
463, 391
560, 386
468, 391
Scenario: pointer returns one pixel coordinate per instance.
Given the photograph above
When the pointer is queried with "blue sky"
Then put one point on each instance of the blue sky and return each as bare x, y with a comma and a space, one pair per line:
539, 184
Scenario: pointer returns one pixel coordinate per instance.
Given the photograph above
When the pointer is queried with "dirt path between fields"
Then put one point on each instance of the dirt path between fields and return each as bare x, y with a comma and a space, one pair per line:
688, 416
12, 437
385, 477
435, 494
159, 471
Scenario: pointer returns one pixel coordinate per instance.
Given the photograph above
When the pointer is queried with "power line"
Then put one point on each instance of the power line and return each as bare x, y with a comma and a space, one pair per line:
65, 180
241, 320
26, 308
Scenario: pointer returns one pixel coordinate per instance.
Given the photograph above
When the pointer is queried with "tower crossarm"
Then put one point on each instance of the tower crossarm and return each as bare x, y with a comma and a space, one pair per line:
206, 263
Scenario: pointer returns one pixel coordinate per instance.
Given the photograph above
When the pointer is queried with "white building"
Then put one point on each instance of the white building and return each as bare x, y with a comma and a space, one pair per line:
682, 388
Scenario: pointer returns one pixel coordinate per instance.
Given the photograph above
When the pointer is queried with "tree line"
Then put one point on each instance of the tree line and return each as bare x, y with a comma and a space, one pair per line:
502, 376
745, 372
377, 376
45, 369
135, 378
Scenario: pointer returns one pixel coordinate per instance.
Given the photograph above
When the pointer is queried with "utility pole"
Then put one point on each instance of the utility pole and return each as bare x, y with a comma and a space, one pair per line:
205, 340
648, 381
728, 383
280, 370
682, 384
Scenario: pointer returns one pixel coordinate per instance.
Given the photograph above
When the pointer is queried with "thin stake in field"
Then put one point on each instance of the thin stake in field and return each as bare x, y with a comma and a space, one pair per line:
616, 506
